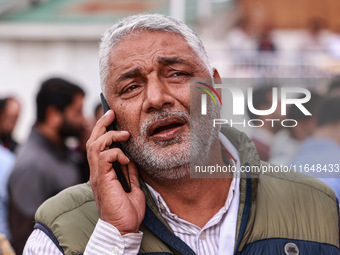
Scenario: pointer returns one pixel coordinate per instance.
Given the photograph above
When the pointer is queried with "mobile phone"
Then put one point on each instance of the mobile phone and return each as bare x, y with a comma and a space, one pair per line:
116, 165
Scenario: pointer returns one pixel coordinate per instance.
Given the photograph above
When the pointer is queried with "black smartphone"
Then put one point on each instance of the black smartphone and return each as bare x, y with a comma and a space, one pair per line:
116, 165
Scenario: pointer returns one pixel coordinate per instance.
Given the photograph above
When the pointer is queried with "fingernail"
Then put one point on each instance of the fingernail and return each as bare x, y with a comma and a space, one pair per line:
126, 132
108, 112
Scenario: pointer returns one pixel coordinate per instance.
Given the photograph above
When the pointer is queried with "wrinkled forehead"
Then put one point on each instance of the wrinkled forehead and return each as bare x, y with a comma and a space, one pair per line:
151, 46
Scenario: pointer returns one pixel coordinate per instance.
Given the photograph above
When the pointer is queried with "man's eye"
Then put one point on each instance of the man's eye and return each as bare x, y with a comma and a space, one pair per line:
129, 89
179, 74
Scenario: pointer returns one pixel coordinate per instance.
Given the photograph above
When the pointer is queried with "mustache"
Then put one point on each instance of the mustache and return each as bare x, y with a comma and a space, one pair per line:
161, 115
157, 116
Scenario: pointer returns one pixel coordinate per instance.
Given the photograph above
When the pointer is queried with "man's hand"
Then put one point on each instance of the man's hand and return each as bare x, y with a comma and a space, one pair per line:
123, 210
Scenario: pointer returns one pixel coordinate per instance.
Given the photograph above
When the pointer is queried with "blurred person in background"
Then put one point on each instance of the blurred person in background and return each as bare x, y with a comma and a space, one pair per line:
9, 113
45, 165
335, 85
5, 246
240, 41
98, 112
7, 160
333, 45
81, 147
315, 38
322, 149
263, 136
265, 41
292, 137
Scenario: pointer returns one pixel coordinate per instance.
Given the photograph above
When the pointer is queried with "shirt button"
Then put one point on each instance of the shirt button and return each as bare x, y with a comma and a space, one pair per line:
203, 235
115, 250
162, 206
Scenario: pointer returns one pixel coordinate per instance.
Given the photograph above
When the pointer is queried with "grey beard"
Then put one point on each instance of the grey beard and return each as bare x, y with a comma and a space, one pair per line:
159, 161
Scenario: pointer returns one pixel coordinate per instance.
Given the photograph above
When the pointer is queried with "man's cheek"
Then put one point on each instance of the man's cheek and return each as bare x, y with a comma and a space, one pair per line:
127, 123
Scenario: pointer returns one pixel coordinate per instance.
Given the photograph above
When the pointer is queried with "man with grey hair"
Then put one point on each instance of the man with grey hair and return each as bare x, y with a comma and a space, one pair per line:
147, 63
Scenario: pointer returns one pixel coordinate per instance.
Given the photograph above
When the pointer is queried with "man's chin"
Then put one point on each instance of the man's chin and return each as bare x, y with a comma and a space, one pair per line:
163, 160
169, 174
159, 158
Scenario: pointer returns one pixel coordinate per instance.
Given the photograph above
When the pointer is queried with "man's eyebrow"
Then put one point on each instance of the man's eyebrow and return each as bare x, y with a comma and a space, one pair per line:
161, 60
171, 60
129, 74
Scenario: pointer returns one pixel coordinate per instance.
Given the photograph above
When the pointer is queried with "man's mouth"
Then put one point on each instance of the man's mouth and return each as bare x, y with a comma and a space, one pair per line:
166, 129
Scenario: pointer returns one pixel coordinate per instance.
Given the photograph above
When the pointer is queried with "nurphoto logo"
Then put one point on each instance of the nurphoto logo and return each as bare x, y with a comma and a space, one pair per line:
204, 97
282, 97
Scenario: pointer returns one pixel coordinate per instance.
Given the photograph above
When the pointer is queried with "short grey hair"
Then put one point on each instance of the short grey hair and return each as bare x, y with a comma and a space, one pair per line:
147, 22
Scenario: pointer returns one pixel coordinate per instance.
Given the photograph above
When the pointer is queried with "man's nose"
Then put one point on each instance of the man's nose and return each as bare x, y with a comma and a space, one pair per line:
157, 96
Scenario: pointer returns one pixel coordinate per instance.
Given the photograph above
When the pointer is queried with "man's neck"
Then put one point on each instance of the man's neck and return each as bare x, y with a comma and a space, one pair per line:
195, 200
192, 199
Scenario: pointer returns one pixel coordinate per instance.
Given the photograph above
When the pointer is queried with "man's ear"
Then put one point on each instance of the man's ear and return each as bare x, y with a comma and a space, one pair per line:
217, 80
53, 116
217, 77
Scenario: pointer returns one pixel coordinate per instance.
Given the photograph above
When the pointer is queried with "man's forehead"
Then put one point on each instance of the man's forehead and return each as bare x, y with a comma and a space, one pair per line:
157, 46
134, 71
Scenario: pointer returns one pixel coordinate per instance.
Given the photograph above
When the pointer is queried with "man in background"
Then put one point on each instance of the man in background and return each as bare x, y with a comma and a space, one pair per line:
7, 160
293, 137
9, 113
319, 155
98, 112
45, 165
